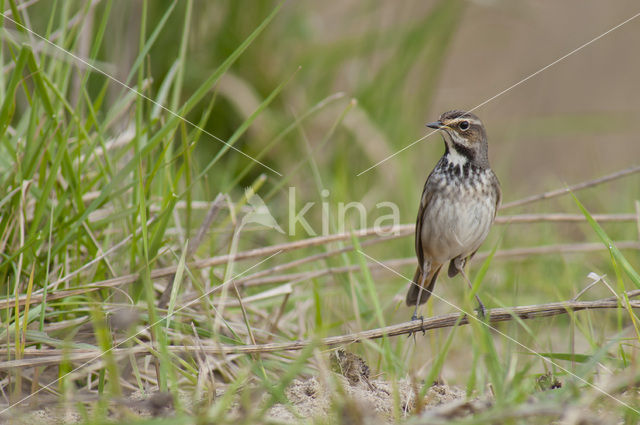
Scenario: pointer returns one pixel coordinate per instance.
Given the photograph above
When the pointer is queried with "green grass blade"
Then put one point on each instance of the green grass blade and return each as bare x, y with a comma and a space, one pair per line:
608, 242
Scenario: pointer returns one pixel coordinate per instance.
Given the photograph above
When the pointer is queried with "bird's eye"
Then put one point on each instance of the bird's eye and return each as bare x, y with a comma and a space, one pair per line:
464, 125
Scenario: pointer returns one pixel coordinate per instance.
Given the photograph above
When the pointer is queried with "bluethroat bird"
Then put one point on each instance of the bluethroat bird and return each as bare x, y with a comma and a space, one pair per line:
458, 205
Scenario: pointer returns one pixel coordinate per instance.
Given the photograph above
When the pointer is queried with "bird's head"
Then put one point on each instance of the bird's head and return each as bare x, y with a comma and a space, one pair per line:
464, 136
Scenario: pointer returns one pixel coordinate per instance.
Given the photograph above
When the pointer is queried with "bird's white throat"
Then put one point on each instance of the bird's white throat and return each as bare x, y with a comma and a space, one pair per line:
455, 158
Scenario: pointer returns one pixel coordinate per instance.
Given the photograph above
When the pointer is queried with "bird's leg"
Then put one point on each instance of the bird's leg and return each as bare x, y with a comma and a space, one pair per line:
415, 310
423, 276
459, 262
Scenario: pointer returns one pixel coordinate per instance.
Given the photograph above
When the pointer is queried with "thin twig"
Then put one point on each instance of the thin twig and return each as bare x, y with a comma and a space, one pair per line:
41, 357
403, 229
408, 229
637, 203
561, 218
400, 230
574, 188
399, 262
315, 257
193, 245
386, 232
195, 242
297, 277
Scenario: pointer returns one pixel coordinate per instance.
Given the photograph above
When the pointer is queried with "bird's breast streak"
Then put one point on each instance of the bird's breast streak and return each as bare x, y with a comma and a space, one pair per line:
456, 228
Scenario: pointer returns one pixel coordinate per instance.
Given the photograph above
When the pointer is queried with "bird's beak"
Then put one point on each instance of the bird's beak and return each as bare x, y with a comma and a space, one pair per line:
437, 125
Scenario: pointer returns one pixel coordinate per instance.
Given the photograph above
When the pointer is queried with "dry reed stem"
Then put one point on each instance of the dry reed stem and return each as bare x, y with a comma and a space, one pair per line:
401, 230
408, 229
212, 213
637, 203
250, 280
574, 188
298, 277
562, 218
43, 357
398, 231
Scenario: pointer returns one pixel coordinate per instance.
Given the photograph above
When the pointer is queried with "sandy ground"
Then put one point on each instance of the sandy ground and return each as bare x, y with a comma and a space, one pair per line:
358, 403
369, 402
345, 395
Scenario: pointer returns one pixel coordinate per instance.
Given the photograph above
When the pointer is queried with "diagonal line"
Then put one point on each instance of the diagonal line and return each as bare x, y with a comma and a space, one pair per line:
139, 93
560, 59
532, 351
396, 153
209, 292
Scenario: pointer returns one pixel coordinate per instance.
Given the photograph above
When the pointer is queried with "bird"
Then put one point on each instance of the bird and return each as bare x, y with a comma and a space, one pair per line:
459, 202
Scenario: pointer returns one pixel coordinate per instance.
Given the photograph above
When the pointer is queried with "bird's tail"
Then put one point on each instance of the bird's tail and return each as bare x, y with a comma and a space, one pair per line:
429, 282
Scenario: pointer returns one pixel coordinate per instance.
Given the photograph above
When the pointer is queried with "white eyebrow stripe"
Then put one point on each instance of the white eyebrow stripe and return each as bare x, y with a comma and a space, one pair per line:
463, 118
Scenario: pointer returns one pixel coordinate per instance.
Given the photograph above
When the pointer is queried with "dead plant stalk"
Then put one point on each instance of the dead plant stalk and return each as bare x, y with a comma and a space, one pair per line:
43, 357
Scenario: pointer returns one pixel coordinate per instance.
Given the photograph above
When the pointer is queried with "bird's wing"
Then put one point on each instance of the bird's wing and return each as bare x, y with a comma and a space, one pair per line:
499, 195
427, 194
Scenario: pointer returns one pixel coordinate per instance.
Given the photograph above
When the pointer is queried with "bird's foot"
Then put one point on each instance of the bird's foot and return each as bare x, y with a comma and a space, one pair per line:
414, 318
480, 310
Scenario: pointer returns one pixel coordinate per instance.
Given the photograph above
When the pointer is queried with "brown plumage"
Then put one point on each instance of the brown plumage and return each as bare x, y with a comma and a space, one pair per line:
458, 205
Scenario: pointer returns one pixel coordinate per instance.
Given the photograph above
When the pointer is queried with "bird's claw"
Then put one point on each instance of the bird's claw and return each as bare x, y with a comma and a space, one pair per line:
414, 318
